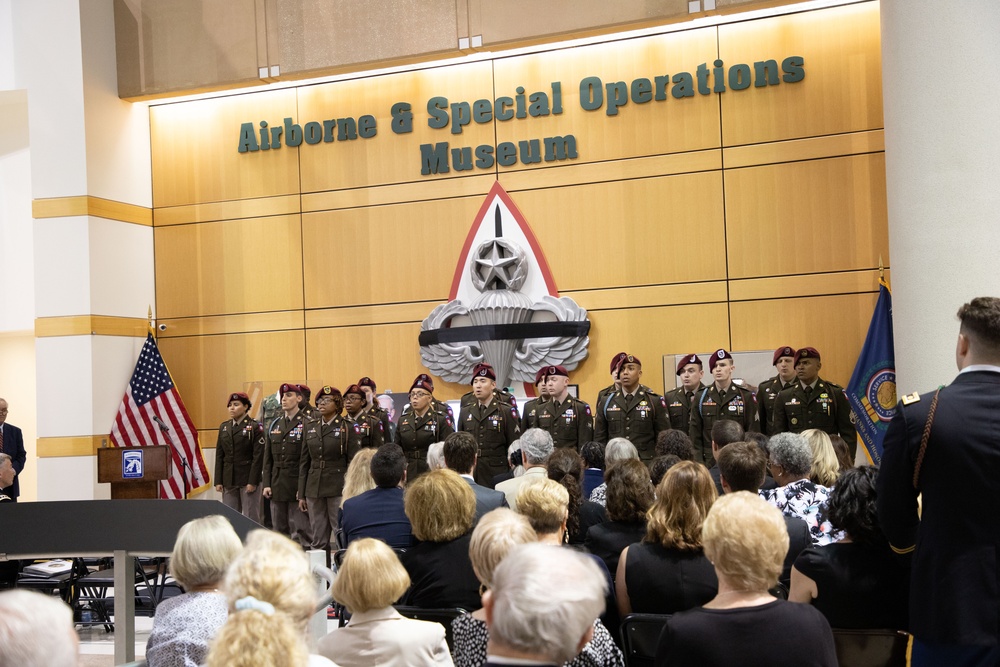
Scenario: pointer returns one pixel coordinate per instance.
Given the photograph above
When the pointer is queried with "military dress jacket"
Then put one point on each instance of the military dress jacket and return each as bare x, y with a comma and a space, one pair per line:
364, 430
710, 405
443, 408
239, 453
767, 394
570, 423
494, 426
415, 434
826, 408
281, 457
382, 415
529, 414
502, 395
639, 420
603, 396
679, 407
323, 462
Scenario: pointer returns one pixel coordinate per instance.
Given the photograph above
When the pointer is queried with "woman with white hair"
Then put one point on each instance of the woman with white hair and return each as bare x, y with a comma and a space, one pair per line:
746, 540
618, 449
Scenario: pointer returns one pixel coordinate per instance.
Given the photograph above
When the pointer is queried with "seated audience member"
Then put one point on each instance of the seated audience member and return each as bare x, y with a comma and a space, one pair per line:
668, 572
796, 495
271, 596
744, 625
515, 460
843, 452
536, 447
742, 466
761, 440
618, 449
659, 466
358, 477
379, 512
368, 582
435, 456
857, 582
566, 467
460, 454
36, 631
724, 432
593, 460
675, 442
630, 495
825, 466
497, 533
542, 605
184, 625
442, 509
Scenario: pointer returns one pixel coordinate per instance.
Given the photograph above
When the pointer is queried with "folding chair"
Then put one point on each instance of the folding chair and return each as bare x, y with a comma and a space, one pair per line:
870, 648
640, 637
442, 616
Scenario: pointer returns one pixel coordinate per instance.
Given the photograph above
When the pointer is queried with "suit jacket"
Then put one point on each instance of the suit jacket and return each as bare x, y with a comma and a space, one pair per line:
487, 499
378, 513
239, 453
13, 446
510, 487
383, 637
954, 592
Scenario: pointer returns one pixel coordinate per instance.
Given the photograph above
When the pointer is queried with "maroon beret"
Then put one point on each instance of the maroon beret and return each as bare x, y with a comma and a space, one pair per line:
423, 382
424, 377
241, 397
540, 375
807, 353
483, 371
327, 390
556, 370
354, 389
305, 391
689, 359
631, 359
718, 356
782, 352
367, 382
617, 361
289, 387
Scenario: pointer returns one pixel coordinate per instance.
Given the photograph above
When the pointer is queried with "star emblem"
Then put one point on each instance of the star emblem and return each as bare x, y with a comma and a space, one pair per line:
494, 265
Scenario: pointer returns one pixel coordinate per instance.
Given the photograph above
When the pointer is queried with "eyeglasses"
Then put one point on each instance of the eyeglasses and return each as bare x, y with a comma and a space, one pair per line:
419, 394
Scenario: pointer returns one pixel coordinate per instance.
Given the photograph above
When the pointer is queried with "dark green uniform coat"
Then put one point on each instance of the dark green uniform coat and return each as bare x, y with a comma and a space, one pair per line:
281, 457
602, 399
469, 399
679, 407
363, 431
737, 404
494, 427
388, 428
639, 420
415, 434
239, 453
767, 393
570, 423
826, 408
323, 462
529, 415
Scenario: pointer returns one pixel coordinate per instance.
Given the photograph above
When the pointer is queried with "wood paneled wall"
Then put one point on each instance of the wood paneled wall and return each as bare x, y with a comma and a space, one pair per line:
747, 219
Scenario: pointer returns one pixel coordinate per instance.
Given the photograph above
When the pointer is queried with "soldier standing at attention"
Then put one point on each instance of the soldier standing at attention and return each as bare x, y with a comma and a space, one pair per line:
308, 411
723, 399
633, 412
420, 425
363, 429
813, 402
239, 458
567, 419
529, 416
784, 362
679, 400
604, 395
281, 468
436, 405
493, 424
322, 467
374, 409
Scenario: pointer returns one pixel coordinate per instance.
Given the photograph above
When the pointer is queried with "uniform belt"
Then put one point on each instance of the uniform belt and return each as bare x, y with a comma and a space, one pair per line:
414, 454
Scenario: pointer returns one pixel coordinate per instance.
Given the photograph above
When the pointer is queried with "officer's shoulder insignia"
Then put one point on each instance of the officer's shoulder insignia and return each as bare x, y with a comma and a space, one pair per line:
587, 408
513, 412
909, 399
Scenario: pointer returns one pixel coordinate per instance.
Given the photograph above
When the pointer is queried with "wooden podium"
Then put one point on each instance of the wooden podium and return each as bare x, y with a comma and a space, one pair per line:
134, 473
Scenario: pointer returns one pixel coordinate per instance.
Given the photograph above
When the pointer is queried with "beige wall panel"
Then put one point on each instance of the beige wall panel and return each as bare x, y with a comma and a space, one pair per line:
228, 324
399, 194
811, 148
388, 157
807, 217
652, 128
814, 284
207, 368
384, 254
227, 210
195, 156
237, 266
627, 233
842, 88
834, 325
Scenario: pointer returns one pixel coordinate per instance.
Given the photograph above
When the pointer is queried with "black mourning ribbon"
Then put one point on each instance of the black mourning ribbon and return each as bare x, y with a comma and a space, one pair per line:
505, 332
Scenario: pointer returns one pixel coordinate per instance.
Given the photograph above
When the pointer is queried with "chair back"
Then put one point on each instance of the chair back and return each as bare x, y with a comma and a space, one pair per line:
871, 648
640, 637
442, 616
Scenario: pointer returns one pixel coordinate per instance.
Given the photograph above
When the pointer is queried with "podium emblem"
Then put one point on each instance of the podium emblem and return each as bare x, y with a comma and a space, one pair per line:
132, 464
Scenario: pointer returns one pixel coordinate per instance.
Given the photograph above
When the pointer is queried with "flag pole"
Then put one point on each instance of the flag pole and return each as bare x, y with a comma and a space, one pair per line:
149, 322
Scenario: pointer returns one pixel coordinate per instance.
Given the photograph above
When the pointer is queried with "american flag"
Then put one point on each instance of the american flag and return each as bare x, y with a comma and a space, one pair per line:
152, 413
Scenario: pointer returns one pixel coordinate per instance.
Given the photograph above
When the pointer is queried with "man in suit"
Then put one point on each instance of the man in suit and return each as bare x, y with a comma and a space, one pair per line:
460, 455
493, 424
239, 458
12, 444
280, 476
542, 605
954, 595
379, 512
723, 399
536, 447
633, 412
679, 400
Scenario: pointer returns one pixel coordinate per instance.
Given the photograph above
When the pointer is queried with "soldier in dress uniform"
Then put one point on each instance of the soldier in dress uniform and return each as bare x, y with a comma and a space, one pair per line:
363, 428
420, 425
308, 411
492, 423
239, 458
784, 362
373, 408
604, 395
812, 402
568, 420
504, 396
322, 466
529, 415
280, 477
723, 399
634, 412
679, 400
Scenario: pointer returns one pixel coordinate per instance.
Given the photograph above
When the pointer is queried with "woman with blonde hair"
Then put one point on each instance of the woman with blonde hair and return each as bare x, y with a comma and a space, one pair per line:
825, 465
746, 540
369, 581
358, 477
184, 625
272, 596
668, 572
441, 507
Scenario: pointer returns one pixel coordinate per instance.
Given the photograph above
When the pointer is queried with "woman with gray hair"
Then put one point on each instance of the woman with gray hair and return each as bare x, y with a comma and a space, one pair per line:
618, 449
791, 460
